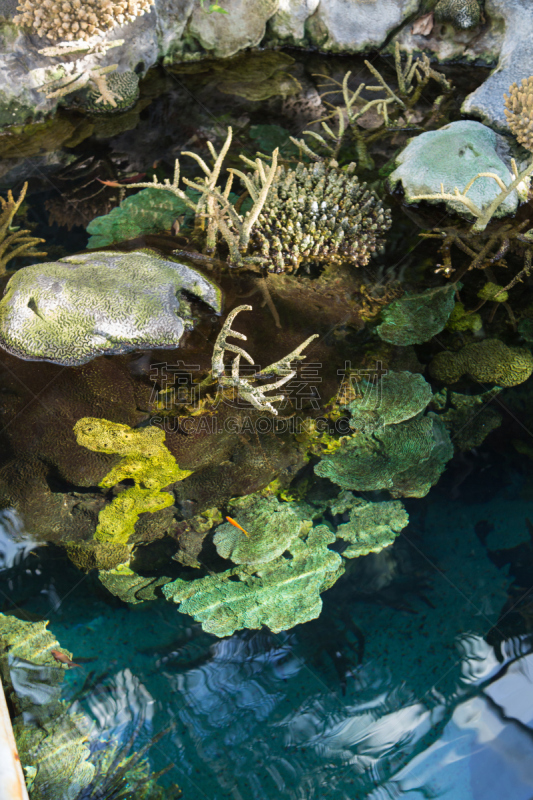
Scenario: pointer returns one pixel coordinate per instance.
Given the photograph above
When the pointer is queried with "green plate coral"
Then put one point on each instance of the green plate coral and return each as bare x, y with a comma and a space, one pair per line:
416, 318
393, 398
279, 594
372, 526
145, 460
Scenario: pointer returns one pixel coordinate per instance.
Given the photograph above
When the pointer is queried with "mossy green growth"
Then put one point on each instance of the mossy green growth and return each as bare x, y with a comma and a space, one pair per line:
270, 527
491, 291
372, 526
387, 400
145, 460
416, 318
461, 321
148, 211
280, 594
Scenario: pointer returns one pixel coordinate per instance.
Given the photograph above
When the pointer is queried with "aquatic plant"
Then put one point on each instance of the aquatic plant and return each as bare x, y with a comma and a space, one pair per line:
145, 460
416, 318
519, 111
255, 395
107, 302
71, 20
13, 241
462, 14
489, 361
407, 458
279, 594
272, 526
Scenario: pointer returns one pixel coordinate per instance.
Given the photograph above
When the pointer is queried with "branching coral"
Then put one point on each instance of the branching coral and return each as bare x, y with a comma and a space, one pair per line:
255, 395
13, 241
145, 460
78, 19
519, 111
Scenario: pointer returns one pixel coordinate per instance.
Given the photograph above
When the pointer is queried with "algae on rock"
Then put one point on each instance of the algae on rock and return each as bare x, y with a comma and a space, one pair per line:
145, 460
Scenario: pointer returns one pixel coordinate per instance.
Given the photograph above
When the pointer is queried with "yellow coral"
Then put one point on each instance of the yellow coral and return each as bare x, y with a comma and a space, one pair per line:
70, 20
490, 361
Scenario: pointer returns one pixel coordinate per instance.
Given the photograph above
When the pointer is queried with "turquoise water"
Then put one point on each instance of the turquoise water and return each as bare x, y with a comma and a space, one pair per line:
412, 684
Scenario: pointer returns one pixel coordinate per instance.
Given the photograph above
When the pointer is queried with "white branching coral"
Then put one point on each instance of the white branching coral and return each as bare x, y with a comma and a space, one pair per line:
69, 20
253, 394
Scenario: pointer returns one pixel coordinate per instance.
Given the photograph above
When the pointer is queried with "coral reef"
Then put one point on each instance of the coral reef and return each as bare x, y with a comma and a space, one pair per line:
190, 534
13, 241
407, 458
71, 20
387, 400
123, 93
468, 418
371, 526
101, 303
280, 594
461, 320
519, 111
414, 319
145, 460
462, 14
489, 361
271, 526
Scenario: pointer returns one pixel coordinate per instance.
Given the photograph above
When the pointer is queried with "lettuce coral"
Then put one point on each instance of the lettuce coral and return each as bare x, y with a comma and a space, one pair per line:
371, 526
392, 398
145, 460
416, 318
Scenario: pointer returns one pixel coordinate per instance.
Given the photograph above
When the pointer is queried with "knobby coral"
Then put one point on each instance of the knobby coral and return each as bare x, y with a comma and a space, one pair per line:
78, 19
13, 241
519, 111
145, 460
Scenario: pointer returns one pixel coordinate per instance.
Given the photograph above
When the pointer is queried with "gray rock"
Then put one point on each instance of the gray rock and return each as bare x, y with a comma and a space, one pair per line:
223, 35
452, 156
75, 309
515, 62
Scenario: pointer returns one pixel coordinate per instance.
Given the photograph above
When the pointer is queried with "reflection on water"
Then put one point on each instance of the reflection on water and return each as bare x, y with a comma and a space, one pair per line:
431, 711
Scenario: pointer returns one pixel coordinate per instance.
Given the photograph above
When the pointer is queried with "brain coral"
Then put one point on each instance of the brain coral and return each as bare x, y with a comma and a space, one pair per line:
318, 213
407, 458
72, 310
519, 111
461, 13
70, 20
414, 319
489, 361
393, 398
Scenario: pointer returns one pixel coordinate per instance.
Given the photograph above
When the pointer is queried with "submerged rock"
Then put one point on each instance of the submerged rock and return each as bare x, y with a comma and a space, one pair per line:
451, 157
75, 309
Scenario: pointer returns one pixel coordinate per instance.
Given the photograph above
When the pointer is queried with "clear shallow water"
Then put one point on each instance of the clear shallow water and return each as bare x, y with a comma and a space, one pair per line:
439, 704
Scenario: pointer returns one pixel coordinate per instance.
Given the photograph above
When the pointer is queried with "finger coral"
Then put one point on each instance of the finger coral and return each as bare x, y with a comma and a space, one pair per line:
70, 20
519, 111
145, 460
489, 361
317, 213
13, 241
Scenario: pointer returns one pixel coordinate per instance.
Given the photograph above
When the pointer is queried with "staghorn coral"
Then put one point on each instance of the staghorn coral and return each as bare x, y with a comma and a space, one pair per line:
519, 111
414, 319
145, 460
280, 594
462, 14
271, 526
389, 399
13, 241
316, 213
489, 361
71, 20
407, 458
72, 310
371, 526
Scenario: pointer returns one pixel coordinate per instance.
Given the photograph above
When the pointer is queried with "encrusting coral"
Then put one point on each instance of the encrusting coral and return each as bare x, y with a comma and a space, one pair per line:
13, 241
489, 361
145, 460
78, 19
519, 111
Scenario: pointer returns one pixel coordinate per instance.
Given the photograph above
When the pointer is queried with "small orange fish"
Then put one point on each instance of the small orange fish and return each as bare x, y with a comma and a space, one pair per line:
238, 526
62, 658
